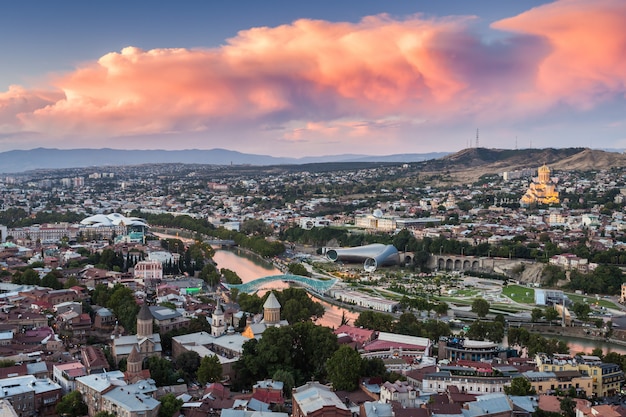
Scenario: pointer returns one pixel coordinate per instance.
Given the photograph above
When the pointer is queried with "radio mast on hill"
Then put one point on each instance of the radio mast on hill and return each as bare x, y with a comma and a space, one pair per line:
477, 138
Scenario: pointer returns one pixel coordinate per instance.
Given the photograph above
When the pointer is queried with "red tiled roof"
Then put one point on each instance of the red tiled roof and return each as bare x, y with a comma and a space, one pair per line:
474, 364
356, 333
268, 396
386, 345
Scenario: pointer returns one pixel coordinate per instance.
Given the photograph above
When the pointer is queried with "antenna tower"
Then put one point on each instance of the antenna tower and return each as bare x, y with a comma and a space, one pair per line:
477, 138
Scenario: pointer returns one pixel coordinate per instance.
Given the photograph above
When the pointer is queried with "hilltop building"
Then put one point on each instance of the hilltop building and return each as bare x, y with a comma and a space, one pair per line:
542, 190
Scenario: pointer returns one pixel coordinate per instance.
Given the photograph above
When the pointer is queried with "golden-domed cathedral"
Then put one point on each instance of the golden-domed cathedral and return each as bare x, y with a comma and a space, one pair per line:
542, 190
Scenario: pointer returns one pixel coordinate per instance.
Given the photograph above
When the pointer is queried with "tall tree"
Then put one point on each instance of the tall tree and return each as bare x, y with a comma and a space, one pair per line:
520, 386
72, 405
188, 363
297, 306
374, 321
170, 405
51, 280
551, 314
162, 371
344, 369
480, 307
123, 304
536, 314
287, 379
568, 407
210, 369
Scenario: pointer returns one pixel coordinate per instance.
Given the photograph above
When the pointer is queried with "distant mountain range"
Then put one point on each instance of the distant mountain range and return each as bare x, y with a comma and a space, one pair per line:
468, 165
469, 162
43, 158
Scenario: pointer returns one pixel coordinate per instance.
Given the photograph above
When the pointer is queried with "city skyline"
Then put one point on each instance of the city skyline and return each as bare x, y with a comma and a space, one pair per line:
289, 79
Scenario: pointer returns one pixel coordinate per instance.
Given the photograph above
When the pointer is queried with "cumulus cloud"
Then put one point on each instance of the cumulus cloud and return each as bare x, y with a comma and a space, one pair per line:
317, 81
587, 59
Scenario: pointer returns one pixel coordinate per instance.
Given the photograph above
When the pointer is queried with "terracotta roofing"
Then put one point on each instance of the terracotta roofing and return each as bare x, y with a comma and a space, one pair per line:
385, 345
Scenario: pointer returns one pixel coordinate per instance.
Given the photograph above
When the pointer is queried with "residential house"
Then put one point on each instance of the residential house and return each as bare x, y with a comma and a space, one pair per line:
317, 400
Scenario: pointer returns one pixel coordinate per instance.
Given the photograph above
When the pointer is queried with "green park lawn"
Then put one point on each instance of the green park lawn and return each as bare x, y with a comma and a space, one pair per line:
464, 293
519, 294
591, 299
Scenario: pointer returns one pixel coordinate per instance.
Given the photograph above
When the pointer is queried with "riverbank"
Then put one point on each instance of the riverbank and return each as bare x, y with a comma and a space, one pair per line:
592, 336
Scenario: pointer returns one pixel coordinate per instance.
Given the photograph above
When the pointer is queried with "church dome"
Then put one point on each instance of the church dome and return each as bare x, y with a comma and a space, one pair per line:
271, 302
144, 313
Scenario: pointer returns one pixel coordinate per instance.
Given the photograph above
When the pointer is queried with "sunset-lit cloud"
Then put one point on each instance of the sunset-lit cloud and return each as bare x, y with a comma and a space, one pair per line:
317, 86
587, 59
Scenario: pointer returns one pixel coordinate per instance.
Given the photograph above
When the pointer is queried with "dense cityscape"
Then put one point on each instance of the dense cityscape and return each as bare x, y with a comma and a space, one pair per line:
379, 290
313, 209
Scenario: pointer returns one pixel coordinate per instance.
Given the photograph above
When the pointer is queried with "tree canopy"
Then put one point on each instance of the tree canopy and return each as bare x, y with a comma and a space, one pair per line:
344, 369
210, 369
520, 386
374, 321
302, 349
72, 405
169, 405
480, 307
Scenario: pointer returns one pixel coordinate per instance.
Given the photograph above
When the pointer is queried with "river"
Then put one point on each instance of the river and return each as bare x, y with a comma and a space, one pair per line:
250, 267
578, 345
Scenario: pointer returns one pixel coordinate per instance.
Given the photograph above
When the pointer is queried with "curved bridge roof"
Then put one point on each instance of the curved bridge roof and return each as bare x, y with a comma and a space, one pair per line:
317, 285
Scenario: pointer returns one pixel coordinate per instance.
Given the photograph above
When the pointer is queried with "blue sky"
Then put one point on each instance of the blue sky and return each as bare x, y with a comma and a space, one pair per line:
312, 78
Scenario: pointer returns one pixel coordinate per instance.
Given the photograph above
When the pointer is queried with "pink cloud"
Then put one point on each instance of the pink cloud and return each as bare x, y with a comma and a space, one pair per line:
17, 101
319, 81
306, 70
587, 62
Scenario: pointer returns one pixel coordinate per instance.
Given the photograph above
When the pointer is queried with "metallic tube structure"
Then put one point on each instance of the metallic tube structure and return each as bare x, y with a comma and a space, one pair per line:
372, 256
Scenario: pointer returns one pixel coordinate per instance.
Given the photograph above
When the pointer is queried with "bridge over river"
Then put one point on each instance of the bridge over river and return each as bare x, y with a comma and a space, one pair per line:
320, 286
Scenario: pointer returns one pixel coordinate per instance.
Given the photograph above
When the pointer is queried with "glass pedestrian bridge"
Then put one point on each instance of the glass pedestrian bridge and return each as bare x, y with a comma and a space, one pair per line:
318, 285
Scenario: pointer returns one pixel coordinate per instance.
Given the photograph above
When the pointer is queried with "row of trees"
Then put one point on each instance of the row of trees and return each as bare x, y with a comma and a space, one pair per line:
187, 367
18, 217
605, 279
406, 324
534, 342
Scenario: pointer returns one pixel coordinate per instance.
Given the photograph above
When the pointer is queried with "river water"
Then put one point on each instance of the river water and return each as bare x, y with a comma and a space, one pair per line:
250, 267
578, 345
